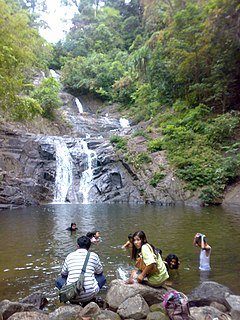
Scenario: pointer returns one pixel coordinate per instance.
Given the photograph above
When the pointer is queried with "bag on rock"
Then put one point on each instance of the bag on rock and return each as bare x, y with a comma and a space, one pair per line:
177, 306
70, 291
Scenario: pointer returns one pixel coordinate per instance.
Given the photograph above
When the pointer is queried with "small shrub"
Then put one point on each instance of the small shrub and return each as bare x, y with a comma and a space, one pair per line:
212, 194
155, 145
119, 142
47, 94
122, 89
156, 178
221, 128
142, 158
137, 159
140, 133
26, 109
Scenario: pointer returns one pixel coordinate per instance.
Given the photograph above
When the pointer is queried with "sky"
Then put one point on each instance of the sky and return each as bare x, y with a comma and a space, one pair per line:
58, 19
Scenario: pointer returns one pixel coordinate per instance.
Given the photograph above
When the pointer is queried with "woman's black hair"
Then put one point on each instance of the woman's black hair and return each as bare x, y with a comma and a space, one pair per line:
171, 257
90, 235
143, 238
72, 224
198, 239
159, 251
130, 236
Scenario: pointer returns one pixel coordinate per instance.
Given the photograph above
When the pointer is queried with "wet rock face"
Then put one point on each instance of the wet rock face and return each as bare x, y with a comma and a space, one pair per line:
28, 173
81, 168
25, 174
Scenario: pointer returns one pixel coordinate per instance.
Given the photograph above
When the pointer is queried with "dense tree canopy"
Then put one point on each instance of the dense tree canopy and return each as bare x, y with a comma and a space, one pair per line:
176, 62
22, 51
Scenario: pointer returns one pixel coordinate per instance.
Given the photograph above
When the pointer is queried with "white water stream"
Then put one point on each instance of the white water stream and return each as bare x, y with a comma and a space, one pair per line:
66, 181
64, 189
87, 174
64, 171
79, 105
124, 123
54, 74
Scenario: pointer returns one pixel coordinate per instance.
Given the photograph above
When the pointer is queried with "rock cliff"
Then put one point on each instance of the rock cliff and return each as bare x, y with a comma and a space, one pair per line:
28, 164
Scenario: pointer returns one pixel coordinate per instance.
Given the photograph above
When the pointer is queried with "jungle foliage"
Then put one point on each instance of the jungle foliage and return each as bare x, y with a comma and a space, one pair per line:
175, 62
22, 54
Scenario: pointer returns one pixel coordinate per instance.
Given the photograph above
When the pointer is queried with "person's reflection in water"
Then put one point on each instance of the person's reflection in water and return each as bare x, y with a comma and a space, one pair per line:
204, 276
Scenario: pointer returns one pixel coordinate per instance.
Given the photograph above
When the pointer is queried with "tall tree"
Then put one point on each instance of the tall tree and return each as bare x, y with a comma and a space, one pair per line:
32, 6
20, 46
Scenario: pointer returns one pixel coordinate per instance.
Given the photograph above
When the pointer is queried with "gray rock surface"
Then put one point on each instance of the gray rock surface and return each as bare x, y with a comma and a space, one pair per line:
118, 292
137, 304
134, 307
8, 308
208, 292
28, 315
208, 313
66, 312
28, 164
234, 302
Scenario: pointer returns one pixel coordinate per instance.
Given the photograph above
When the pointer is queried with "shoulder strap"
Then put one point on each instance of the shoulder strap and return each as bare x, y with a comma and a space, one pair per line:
151, 249
81, 277
85, 263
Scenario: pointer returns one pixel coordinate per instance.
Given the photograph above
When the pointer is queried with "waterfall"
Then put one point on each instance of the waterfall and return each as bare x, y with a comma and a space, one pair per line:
124, 123
79, 105
64, 178
87, 175
54, 74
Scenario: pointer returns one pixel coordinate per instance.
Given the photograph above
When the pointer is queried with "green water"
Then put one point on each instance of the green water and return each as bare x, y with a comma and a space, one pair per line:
34, 242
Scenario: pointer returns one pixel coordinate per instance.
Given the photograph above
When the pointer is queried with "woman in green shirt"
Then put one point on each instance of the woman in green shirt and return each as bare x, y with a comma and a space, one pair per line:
148, 261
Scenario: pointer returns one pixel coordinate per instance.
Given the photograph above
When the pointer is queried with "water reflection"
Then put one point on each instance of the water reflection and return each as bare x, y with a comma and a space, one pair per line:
204, 275
35, 242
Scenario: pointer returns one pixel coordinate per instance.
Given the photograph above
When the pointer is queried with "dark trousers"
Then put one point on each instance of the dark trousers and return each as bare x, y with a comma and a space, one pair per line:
101, 280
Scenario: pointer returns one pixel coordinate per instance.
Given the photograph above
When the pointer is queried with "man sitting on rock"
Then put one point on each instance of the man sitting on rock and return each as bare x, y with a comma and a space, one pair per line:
93, 276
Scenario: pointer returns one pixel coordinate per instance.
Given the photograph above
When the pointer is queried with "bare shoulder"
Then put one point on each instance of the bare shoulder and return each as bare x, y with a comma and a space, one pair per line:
208, 247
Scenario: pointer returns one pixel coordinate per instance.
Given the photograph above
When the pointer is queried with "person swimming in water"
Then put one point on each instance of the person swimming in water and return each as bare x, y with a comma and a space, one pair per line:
172, 262
128, 244
200, 241
73, 227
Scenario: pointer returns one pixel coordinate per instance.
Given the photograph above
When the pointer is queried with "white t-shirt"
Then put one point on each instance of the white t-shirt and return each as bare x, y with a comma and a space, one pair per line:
204, 260
73, 266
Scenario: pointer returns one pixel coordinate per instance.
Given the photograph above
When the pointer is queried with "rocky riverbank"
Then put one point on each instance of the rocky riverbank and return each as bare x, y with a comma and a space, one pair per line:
209, 301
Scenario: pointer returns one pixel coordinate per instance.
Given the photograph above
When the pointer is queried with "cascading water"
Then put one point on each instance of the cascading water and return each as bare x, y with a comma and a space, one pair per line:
54, 74
64, 169
87, 175
124, 123
79, 105
76, 164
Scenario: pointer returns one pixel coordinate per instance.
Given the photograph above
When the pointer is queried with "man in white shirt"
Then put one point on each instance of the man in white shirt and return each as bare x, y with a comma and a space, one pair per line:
93, 277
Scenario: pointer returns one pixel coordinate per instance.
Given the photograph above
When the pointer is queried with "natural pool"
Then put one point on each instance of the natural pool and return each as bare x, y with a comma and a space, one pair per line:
34, 242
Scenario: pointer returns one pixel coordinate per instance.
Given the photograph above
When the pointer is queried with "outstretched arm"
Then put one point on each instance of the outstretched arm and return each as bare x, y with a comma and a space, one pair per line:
202, 242
145, 271
126, 245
